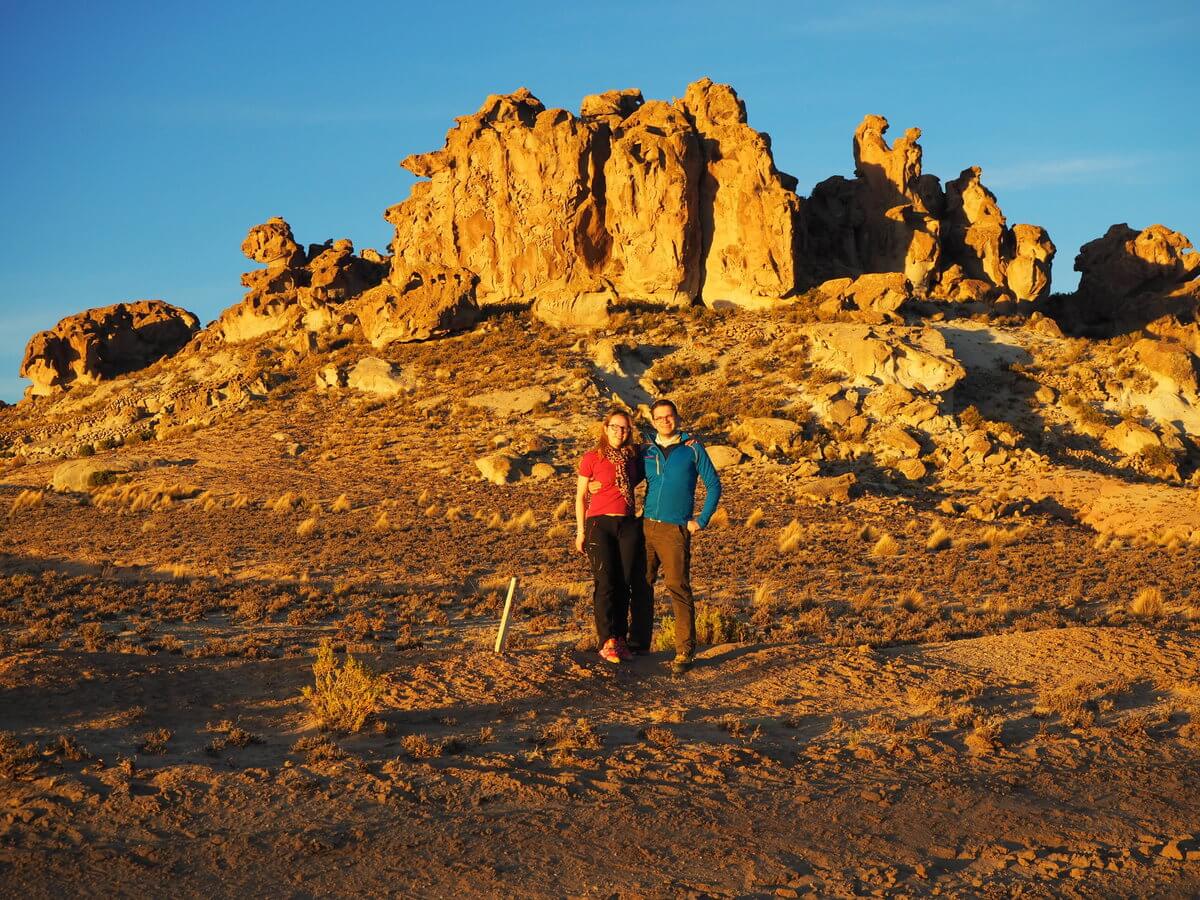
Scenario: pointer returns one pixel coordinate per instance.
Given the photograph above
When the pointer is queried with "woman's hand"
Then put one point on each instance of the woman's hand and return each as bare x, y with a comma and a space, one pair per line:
579, 541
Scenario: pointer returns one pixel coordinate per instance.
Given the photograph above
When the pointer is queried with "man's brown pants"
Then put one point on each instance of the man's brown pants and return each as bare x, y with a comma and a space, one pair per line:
669, 547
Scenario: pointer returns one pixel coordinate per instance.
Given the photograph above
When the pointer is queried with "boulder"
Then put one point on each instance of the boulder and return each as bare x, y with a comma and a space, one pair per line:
764, 436
416, 304
330, 376
1130, 438
896, 441
521, 401
273, 245
103, 343
562, 306
498, 468
836, 489
879, 294
724, 457
912, 469
377, 376
1171, 363
913, 358
82, 475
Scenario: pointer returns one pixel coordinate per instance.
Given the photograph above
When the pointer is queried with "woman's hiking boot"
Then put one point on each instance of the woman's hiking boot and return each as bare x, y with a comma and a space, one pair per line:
623, 651
609, 653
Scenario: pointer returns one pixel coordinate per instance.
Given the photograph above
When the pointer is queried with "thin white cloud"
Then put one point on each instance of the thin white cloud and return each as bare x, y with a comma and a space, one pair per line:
1070, 170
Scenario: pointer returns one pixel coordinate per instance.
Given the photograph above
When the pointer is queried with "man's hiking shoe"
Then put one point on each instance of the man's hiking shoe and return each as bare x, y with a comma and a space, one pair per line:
637, 649
681, 664
609, 653
623, 651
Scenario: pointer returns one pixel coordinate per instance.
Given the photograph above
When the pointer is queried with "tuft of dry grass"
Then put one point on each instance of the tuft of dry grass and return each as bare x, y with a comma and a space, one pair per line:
382, 522
910, 600
720, 519
307, 528
1003, 537
343, 698
1148, 603
341, 504
563, 510
28, 499
454, 514
286, 502
790, 537
885, 546
939, 539
869, 533
18, 762
433, 511
984, 738
754, 518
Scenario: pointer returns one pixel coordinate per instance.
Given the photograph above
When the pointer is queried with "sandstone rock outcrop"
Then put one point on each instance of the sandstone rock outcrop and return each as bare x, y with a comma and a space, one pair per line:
426, 302
893, 218
81, 475
297, 289
103, 343
874, 298
1130, 278
664, 202
748, 209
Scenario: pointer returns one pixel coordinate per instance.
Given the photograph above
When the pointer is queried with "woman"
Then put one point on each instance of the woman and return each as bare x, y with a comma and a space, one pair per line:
609, 531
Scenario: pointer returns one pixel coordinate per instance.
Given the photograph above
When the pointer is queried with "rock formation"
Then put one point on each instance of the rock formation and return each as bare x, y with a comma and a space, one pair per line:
297, 289
1129, 279
103, 343
658, 202
891, 217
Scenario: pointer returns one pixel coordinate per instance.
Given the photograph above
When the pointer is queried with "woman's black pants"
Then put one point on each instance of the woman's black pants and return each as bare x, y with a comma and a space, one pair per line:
616, 549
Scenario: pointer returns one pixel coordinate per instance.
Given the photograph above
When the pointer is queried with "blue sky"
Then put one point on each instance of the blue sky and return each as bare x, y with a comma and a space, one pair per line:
142, 140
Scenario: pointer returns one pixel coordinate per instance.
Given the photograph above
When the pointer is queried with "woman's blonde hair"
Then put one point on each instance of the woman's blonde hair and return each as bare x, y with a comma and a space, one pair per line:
602, 443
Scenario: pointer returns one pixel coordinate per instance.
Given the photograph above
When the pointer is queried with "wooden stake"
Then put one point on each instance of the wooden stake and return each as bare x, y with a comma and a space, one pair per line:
502, 634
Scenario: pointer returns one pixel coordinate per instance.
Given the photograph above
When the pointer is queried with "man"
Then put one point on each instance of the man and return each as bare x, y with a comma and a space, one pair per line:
674, 461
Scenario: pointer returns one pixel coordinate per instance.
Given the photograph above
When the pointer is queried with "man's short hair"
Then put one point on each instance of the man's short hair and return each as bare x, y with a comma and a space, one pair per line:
663, 401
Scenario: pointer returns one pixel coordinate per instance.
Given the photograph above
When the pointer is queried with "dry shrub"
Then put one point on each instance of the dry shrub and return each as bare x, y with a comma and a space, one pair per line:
885, 546
754, 518
318, 749
18, 761
65, 746
939, 539
1077, 703
155, 742
738, 728
418, 746
659, 736
93, 637
307, 528
286, 502
28, 499
985, 736
567, 734
1148, 604
343, 698
714, 625
229, 734
341, 504
866, 599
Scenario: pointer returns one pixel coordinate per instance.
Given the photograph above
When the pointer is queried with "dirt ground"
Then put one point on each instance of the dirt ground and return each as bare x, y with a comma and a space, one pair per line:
945, 686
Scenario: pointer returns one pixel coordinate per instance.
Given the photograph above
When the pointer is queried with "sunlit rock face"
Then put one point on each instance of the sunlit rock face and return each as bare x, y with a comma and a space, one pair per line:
298, 289
662, 202
103, 343
891, 217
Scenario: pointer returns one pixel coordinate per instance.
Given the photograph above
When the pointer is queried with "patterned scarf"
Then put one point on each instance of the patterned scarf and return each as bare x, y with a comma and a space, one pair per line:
620, 458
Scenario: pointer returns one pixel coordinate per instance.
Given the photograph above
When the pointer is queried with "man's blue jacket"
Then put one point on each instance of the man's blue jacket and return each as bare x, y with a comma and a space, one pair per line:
671, 482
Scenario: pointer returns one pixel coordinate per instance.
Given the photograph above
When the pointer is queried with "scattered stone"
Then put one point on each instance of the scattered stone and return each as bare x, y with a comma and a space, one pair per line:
912, 469
760, 437
913, 358
331, 377
1130, 438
